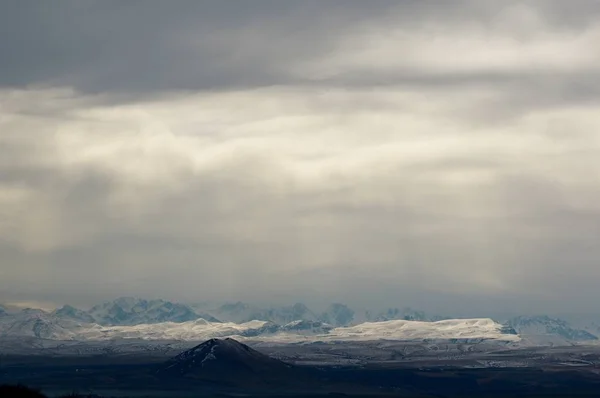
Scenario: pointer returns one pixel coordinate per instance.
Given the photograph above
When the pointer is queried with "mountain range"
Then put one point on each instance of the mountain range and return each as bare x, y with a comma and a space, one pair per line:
135, 311
130, 311
129, 317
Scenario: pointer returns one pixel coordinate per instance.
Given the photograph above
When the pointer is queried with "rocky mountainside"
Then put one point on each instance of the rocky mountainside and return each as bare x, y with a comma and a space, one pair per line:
227, 361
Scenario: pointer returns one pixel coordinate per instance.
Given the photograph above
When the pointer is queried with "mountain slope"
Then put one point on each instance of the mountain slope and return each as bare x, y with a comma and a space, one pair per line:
197, 330
544, 329
39, 324
227, 361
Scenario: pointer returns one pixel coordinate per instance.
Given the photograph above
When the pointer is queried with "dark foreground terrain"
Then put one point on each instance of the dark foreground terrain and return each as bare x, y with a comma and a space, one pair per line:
138, 380
222, 368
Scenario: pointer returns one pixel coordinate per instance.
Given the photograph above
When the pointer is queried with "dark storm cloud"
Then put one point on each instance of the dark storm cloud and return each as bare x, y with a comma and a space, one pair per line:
100, 46
150, 46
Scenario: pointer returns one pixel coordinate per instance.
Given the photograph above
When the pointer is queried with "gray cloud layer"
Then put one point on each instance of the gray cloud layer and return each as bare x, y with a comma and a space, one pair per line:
422, 153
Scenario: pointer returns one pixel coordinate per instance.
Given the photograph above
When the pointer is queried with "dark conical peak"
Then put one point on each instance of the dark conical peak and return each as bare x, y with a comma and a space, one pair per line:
210, 344
221, 342
227, 347
221, 355
215, 341
222, 349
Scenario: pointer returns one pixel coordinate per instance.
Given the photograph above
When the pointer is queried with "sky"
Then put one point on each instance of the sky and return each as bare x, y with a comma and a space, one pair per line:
443, 155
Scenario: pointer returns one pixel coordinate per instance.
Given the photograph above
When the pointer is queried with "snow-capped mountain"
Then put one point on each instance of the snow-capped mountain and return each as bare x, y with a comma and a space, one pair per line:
450, 329
39, 324
544, 329
300, 331
134, 318
75, 314
62, 325
196, 330
135, 311
586, 322
590, 326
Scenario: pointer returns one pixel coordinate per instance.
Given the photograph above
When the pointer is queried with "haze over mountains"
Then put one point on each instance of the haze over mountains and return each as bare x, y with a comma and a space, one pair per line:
129, 311
135, 318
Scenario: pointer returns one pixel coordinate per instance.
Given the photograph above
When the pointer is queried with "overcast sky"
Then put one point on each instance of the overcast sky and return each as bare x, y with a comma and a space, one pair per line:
443, 155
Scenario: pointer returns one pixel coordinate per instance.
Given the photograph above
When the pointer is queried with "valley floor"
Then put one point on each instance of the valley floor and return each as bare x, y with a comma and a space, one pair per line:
381, 368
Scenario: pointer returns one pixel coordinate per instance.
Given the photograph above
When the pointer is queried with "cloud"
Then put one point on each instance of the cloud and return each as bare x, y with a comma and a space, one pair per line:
134, 48
222, 203
100, 46
410, 153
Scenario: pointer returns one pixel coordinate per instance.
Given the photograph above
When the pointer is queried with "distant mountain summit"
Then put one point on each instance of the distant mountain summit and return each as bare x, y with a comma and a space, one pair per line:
37, 323
75, 314
127, 311
543, 326
227, 361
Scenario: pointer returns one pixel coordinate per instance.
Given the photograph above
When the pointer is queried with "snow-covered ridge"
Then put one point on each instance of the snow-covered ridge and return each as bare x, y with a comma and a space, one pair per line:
392, 330
50, 327
200, 329
482, 328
